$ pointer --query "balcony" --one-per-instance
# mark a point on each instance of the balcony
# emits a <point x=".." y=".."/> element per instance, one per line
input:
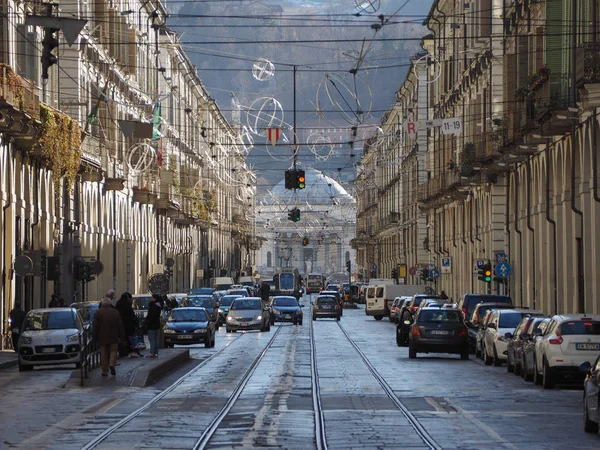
<point x="587" y="74"/>
<point x="443" y="189"/>
<point x="144" y="195"/>
<point x="90" y="151"/>
<point x="552" y="97"/>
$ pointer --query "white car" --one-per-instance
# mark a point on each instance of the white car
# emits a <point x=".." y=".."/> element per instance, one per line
<point x="568" y="341"/>
<point x="495" y="343"/>
<point x="49" y="337"/>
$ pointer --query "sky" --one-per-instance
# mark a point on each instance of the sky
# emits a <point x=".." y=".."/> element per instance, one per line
<point x="322" y="41"/>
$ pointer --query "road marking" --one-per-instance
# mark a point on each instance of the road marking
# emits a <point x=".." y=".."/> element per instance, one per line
<point x="488" y="430"/>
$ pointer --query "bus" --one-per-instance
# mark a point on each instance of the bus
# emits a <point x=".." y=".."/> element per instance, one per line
<point x="315" y="282"/>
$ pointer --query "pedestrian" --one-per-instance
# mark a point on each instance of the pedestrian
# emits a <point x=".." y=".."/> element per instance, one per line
<point x="112" y="297"/>
<point x="130" y="324"/>
<point x="107" y="330"/>
<point x="17" y="317"/>
<point x="443" y="296"/>
<point x="153" y="324"/>
<point x="53" y="301"/>
<point x="265" y="289"/>
<point x="61" y="303"/>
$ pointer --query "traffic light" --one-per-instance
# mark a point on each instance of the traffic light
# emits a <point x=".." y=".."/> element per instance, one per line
<point x="49" y="43"/>
<point x="290" y="179"/>
<point x="485" y="273"/>
<point x="425" y="274"/>
<point x="300" y="179"/>
<point x="294" y="215"/>
<point x="83" y="270"/>
<point x="348" y="266"/>
<point x="305" y="242"/>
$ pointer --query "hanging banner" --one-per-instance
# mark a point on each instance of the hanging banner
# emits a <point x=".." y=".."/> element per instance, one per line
<point x="273" y="135"/>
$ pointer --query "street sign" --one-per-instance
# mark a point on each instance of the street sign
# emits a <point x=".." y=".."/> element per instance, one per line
<point x="452" y="125"/>
<point x="434" y="274"/>
<point x="447" y="265"/>
<point x="477" y="263"/>
<point x="431" y="266"/>
<point x="412" y="270"/>
<point x="500" y="257"/>
<point x="503" y="269"/>
<point x="402" y="271"/>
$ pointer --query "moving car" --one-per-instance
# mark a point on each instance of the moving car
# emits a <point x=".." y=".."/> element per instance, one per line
<point x="285" y="308"/>
<point x="326" y="306"/>
<point x="439" y="330"/>
<point x="338" y="297"/>
<point x="591" y="395"/>
<point x="50" y="336"/>
<point x="568" y="341"/>
<point x="248" y="313"/>
<point x="201" y="291"/>
<point x="189" y="326"/>
<point x="207" y="302"/>
<point x="224" y="305"/>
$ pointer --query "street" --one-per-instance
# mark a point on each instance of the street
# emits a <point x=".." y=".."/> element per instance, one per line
<point x="258" y="390"/>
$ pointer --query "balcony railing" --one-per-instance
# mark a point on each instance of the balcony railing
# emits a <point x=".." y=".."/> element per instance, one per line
<point x="552" y="95"/>
<point x="588" y="64"/>
<point x="19" y="93"/>
<point x="437" y="186"/>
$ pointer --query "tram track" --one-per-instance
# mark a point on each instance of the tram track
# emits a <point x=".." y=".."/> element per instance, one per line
<point x="412" y="420"/>
<point x="320" y="437"/>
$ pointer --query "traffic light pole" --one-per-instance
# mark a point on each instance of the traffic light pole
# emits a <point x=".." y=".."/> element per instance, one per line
<point x="295" y="137"/>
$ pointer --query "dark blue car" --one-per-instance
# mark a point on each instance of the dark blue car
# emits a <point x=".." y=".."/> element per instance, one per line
<point x="286" y="308"/>
<point x="189" y="326"/>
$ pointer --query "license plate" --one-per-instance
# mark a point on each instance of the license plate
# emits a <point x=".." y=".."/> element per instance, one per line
<point x="587" y="346"/>
<point x="287" y="316"/>
<point x="48" y="350"/>
<point x="185" y="336"/>
<point x="439" y="332"/>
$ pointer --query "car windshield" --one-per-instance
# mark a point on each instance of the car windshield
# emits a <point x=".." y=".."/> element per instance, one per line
<point x="228" y="299"/>
<point x="326" y="301"/>
<point x="285" y="301"/>
<point x="286" y="281"/>
<point x="439" y="316"/>
<point x="242" y="303"/>
<point x="239" y="292"/>
<point x="188" y="315"/>
<point x="50" y="320"/>
<point x="201" y="301"/>
<point x="510" y="320"/>
<point x="588" y="327"/>
<point x="141" y="302"/>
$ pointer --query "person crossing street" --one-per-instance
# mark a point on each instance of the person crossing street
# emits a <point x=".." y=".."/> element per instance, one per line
<point x="108" y="331"/>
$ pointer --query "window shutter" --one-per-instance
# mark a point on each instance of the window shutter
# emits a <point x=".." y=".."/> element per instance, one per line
<point x="539" y="48"/>
<point x="485" y="29"/>
<point x="132" y="63"/>
<point x="21" y="50"/>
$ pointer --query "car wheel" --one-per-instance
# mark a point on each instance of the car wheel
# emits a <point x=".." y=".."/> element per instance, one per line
<point x="588" y="425"/>
<point x="78" y="365"/>
<point x="496" y="360"/>
<point x="207" y="343"/>
<point x="518" y="368"/>
<point x="486" y="359"/>
<point x="548" y="378"/>
<point x="477" y="353"/>
<point x="338" y="317"/>
<point x="412" y="353"/>
<point x="227" y="330"/>
<point x="464" y="355"/>
<point x="378" y="317"/>
<point x="399" y="339"/>
<point x="269" y="327"/>
<point x="524" y="370"/>
<point x="510" y="368"/>
<point x="25" y="368"/>
<point x="537" y="378"/>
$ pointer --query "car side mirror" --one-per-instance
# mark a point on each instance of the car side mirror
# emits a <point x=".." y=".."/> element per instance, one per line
<point x="492" y="325"/>
<point x="508" y="336"/>
<point x="585" y="367"/>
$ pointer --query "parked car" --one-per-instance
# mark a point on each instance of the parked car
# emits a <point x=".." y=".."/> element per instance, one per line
<point x="203" y="301"/>
<point x="568" y="341"/>
<point x="393" y="307"/>
<point x="248" y="313"/>
<point x="591" y="395"/>
<point x="501" y="323"/>
<point x="285" y="308"/>
<point x="528" y="352"/>
<point x="439" y="330"/>
<point x="468" y="302"/>
<point x="475" y="321"/>
<point x="189" y="325"/>
<point x="86" y="310"/>
<point x="224" y="305"/>
<point x="481" y="333"/>
<point x="516" y="341"/>
<point x="402" y="306"/>
<point x="49" y="337"/>
<point x="416" y="300"/>
<point x="140" y="306"/>
<point x="326" y="306"/>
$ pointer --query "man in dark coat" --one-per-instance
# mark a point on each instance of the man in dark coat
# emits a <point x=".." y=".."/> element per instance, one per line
<point x="153" y="324"/>
<point x="17" y="316"/>
<point x="108" y="331"/>
<point x="265" y="289"/>
<point x="130" y="324"/>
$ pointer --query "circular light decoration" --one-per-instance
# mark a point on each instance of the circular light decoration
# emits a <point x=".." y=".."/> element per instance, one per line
<point x="367" y="6"/>
<point x="343" y="97"/>
<point x="263" y="69"/>
<point x="264" y="113"/>
<point x="428" y="60"/>
<point x="320" y="145"/>
<point x="140" y="157"/>
<point x="246" y="139"/>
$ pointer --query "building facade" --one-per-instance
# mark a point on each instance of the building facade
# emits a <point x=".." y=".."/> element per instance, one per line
<point x="518" y="181"/>
<point x="119" y="161"/>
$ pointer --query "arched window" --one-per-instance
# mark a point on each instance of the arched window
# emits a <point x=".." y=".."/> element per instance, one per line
<point x="269" y="259"/>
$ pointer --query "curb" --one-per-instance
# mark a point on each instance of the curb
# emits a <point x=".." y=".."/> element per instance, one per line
<point x="9" y="364"/>
<point x="146" y="377"/>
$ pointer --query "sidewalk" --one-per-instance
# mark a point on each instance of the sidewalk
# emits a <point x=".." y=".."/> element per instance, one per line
<point x="8" y="358"/>
<point x="136" y="372"/>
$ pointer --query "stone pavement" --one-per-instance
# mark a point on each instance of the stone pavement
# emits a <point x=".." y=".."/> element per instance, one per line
<point x="135" y="372"/>
<point x="8" y="358"/>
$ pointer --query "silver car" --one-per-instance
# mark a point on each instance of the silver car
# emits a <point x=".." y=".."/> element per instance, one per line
<point x="248" y="313"/>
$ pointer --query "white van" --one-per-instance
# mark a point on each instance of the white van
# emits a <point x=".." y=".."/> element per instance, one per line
<point x="221" y="283"/>
<point x="380" y="296"/>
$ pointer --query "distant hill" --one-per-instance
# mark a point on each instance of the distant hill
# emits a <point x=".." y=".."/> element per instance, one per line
<point x="227" y="68"/>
